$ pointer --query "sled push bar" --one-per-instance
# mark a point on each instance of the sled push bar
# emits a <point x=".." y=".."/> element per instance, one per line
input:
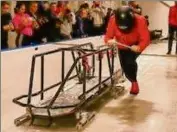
<point x="144" y="54"/>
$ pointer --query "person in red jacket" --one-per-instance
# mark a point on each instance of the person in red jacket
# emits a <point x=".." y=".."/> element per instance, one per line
<point x="172" y="26"/>
<point x="130" y="29"/>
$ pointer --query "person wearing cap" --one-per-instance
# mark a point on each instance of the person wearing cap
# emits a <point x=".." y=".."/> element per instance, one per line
<point x="130" y="29"/>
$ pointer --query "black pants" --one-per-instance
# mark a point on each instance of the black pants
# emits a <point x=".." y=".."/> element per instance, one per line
<point x="98" y="31"/>
<point x="27" y="40"/>
<point x="23" y="40"/>
<point x="129" y="64"/>
<point x="4" y="44"/>
<point x="172" y="30"/>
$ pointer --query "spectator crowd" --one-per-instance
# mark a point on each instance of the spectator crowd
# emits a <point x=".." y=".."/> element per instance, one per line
<point x="37" y="22"/>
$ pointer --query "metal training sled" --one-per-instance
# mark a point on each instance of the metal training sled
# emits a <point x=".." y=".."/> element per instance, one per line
<point x="74" y="91"/>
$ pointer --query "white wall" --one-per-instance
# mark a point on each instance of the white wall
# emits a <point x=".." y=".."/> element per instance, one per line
<point x="158" y="15"/>
<point x="170" y="3"/>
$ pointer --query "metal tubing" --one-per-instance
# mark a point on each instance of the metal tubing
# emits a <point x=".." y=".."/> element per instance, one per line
<point x="112" y="72"/>
<point x="93" y="52"/>
<point x="84" y="81"/>
<point x="77" y="69"/>
<point x="100" y="70"/>
<point x="42" y="77"/>
<point x="63" y="65"/>
<point x="61" y="49"/>
<point x="94" y="87"/>
<point x="16" y="100"/>
<point x="109" y="65"/>
<point x="31" y="79"/>
<point x="62" y="84"/>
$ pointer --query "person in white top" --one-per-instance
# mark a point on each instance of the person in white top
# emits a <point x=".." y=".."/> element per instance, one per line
<point x="98" y="14"/>
<point x="67" y="25"/>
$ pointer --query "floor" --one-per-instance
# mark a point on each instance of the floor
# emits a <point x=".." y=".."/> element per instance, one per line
<point x="153" y="110"/>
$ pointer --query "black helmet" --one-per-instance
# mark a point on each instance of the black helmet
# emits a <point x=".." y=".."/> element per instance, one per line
<point x="125" y="18"/>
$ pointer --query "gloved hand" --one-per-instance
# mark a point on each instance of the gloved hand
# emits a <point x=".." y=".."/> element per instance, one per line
<point x="135" y="48"/>
<point x="111" y="42"/>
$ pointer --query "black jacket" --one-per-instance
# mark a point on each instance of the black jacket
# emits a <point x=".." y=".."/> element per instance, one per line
<point x="5" y="20"/>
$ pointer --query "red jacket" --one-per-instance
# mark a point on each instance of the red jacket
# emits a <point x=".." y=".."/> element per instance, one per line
<point x="139" y="34"/>
<point x="173" y="15"/>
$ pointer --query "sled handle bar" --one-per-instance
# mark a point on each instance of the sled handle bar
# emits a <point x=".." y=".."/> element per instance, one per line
<point x="113" y="46"/>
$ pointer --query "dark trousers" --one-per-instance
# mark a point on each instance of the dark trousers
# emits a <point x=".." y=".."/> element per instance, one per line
<point x="27" y="40"/>
<point x="129" y="64"/>
<point x="4" y="44"/>
<point x="23" y="40"/>
<point x="98" y="31"/>
<point x="172" y="30"/>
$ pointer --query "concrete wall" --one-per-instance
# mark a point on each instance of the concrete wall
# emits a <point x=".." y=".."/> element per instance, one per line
<point x="170" y="3"/>
<point x="158" y="15"/>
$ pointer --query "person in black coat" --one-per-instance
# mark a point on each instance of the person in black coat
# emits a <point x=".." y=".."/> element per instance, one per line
<point x="49" y="29"/>
<point x="108" y="16"/>
<point x="6" y="24"/>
